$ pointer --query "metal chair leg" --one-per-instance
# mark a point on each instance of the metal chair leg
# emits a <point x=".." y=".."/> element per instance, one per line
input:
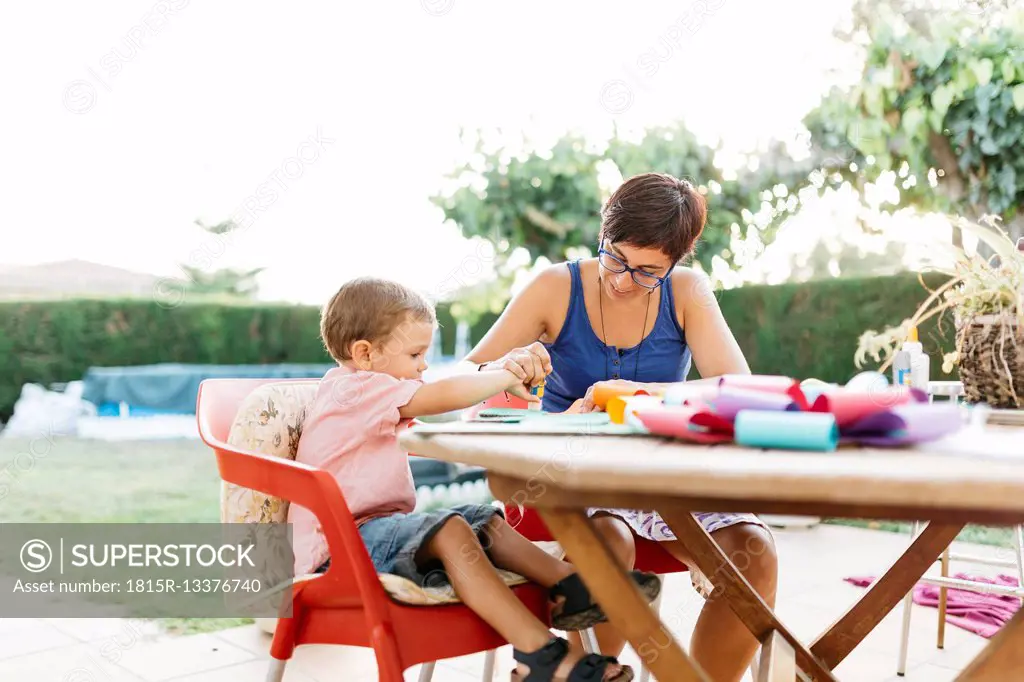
<point x="589" y="641"/>
<point x="908" y="603"/>
<point x="755" y="665"/>
<point x="901" y="665"/>
<point x="645" y="672"/>
<point x="489" y="665"/>
<point x="275" y="672"/>
<point x="427" y="671"/>
<point x="1020" y="556"/>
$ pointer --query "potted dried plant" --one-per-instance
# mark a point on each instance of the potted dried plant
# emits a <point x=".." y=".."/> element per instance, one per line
<point x="986" y="297"/>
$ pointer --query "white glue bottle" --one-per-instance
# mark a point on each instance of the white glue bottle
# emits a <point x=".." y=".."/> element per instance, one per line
<point x="910" y="366"/>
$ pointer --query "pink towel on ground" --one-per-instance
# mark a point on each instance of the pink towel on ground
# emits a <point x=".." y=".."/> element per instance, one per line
<point x="982" y="614"/>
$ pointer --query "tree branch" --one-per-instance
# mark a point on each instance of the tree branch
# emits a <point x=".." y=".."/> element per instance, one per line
<point x="544" y="221"/>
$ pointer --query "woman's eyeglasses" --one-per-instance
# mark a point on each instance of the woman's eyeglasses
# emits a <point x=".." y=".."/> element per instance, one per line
<point x="612" y="264"/>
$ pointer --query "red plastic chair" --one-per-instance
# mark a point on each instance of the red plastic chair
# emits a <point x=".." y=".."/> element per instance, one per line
<point x="650" y="557"/>
<point x="499" y="400"/>
<point x="347" y="604"/>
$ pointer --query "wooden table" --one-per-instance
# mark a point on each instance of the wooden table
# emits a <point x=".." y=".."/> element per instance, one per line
<point x="562" y="475"/>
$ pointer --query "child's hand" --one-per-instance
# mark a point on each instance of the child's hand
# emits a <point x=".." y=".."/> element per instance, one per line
<point x="519" y="389"/>
<point x="531" y="363"/>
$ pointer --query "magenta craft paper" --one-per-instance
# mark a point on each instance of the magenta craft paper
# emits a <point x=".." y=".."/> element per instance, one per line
<point x="686" y="423"/>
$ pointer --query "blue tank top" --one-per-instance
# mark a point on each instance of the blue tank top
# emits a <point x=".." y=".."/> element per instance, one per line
<point x="579" y="358"/>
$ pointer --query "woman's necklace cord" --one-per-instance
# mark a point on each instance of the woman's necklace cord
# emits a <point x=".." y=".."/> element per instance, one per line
<point x="604" y="337"/>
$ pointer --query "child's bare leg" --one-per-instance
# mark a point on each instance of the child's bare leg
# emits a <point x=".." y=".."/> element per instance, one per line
<point x="481" y="589"/>
<point x="721" y="644"/>
<point x="512" y="551"/>
<point x="619" y="538"/>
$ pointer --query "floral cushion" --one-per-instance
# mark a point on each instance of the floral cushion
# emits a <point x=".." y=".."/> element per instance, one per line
<point x="269" y="421"/>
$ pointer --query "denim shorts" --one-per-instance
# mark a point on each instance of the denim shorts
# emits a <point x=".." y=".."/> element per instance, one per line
<point x="394" y="540"/>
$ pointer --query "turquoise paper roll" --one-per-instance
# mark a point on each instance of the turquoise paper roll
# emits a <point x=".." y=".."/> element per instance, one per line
<point x="787" y="430"/>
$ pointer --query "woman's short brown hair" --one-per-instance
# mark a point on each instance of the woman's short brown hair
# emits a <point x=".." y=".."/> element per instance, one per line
<point x="655" y="210"/>
<point x="369" y="308"/>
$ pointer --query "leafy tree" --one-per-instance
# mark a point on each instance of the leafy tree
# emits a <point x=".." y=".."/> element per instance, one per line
<point x="939" y="108"/>
<point x="548" y="200"/>
<point x="939" y="112"/>
<point x="222" y="281"/>
<point x="545" y="201"/>
<point x="745" y="210"/>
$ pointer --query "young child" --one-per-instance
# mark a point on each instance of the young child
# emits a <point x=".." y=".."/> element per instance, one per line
<point x="379" y="332"/>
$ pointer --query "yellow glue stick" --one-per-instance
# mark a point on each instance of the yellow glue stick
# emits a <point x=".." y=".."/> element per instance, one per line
<point x="538" y="391"/>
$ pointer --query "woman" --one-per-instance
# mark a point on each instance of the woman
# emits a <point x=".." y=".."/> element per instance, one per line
<point x="631" y="315"/>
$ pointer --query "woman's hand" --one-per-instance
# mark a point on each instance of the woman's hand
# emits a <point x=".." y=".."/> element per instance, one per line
<point x="586" y="403"/>
<point x="518" y="388"/>
<point x="575" y="408"/>
<point x="530" y="364"/>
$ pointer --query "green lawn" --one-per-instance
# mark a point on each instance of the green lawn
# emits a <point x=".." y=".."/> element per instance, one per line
<point x="982" y="535"/>
<point x="80" y="481"/>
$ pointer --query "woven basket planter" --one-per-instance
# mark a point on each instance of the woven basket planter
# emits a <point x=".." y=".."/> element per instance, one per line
<point x="992" y="361"/>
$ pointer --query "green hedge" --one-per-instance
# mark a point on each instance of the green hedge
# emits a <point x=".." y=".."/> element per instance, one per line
<point x="811" y="329"/>
<point x="56" y="341"/>
<point x="800" y="330"/>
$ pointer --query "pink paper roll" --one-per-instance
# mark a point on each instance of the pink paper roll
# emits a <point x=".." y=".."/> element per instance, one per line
<point x="851" y="406"/>
<point x="769" y="383"/>
<point x="690" y="393"/>
<point x="686" y="423"/>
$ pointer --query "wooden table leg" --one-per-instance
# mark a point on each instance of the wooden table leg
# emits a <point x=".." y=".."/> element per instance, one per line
<point x="745" y="602"/>
<point x="1003" y="657"/>
<point x="778" y="660"/>
<point x="845" y="634"/>
<point x="625" y="606"/>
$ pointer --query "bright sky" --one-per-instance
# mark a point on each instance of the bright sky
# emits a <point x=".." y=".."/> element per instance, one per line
<point x="111" y="150"/>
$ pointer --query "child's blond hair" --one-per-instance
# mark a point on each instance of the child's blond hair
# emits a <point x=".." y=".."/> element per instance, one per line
<point x="369" y="308"/>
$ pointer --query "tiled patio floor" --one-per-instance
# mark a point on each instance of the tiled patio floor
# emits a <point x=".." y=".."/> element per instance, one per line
<point x="811" y="595"/>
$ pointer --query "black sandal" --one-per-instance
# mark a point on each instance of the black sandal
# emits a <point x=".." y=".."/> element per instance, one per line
<point x="579" y="612"/>
<point x="545" y="661"/>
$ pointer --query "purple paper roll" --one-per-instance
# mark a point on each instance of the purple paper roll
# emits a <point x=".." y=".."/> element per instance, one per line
<point x="731" y="400"/>
<point x="903" y="424"/>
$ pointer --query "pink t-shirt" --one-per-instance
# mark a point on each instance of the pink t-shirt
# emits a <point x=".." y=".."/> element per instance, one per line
<point x="351" y="431"/>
